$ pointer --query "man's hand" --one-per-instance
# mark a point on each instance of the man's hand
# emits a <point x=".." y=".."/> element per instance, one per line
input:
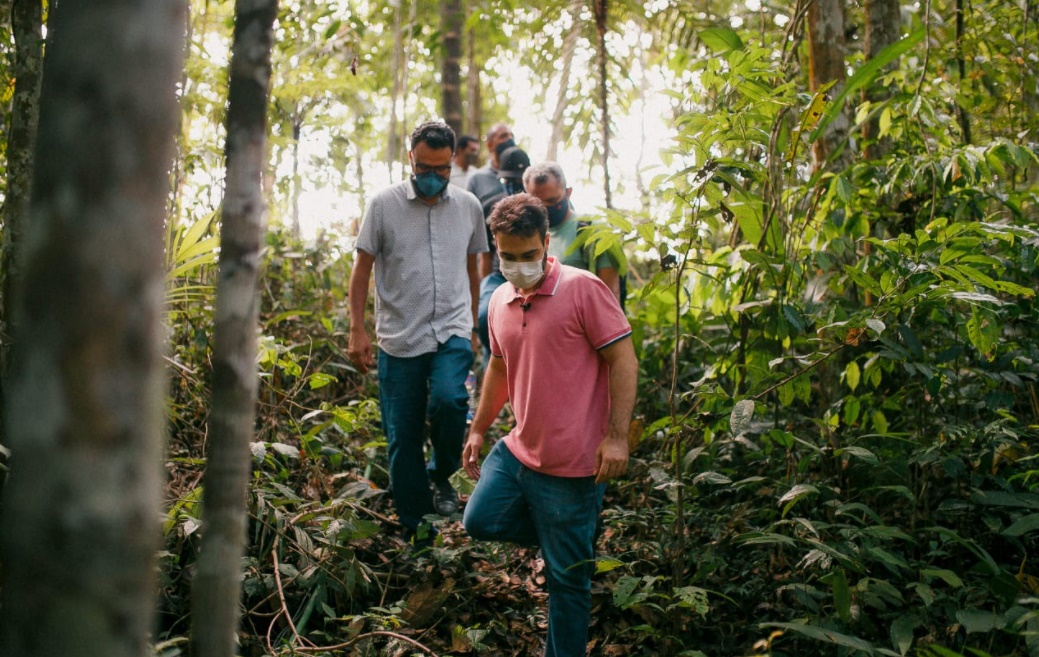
<point x="359" y="351"/>
<point x="477" y="345"/>
<point x="611" y="459"/>
<point x="471" y="455"/>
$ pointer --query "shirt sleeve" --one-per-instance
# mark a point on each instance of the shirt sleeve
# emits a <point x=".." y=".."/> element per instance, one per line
<point x="478" y="240"/>
<point x="369" y="237"/>
<point x="601" y="315"/>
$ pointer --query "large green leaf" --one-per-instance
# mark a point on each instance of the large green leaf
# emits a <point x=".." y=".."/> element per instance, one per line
<point x="866" y="75"/>
<point x="720" y="39"/>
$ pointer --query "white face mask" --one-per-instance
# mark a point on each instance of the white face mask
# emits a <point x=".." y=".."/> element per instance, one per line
<point x="522" y="274"/>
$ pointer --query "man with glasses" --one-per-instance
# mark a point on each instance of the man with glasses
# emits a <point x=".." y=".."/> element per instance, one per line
<point x="421" y="237"/>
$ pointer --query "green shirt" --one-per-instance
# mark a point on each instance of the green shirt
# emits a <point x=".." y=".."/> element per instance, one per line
<point x="564" y="235"/>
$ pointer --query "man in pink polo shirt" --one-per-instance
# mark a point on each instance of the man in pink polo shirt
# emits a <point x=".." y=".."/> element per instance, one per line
<point x="562" y="354"/>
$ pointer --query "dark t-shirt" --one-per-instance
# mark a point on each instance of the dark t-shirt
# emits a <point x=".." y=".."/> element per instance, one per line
<point x="488" y="189"/>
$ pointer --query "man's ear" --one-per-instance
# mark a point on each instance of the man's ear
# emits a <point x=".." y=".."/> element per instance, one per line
<point x="569" y="190"/>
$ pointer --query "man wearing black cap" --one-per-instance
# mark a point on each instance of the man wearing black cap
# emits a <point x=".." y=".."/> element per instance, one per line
<point x="511" y="163"/>
<point x="484" y="181"/>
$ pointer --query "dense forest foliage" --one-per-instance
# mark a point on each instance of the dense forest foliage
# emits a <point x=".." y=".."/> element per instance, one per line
<point x="831" y="281"/>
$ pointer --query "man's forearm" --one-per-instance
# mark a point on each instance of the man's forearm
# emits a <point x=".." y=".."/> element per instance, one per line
<point x="493" y="395"/>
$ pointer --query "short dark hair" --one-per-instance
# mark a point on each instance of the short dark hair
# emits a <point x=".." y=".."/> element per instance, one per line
<point x="436" y="134"/>
<point x="521" y="215"/>
<point x="465" y="140"/>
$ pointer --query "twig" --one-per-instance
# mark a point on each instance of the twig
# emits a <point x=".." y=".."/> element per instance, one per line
<point x="281" y="594"/>
<point x="809" y="367"/>
<point x="347" y="644"/>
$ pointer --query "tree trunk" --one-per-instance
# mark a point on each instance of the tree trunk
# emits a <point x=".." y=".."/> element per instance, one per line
<point x="217" y="584"/>
<point x="450" y="83"/>
<point x="604" y="106"/>
<point x="82" y="502"/>
<point x="393" y="145"/>
<point x="474" y="117"/>
<point x="297" y="180"/>
<point x="26" y="68"/>
<point x="961" y="112"/>
<point x="883" y="28"/>
<point x="826" y="64"/>
<point x="569" y="45"/>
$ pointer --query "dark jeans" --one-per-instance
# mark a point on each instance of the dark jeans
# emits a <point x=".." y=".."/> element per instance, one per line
<point x="410" y="389"/>
<point x="516" y="504"/>
<point x="488" y="285"/>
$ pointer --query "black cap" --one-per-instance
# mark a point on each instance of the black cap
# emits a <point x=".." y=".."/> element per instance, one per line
<point x="512" y="163"/>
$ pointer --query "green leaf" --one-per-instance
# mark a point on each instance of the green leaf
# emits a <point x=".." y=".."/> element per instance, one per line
<point x="866" y="74"/>
<point x="880" y="422"/>
<point x="983" y="330"/>
<point x="721" y="40"/>
<point x="852" y="375"/>
<point x="791" y="497"/>
<point x="902" y="632"/>
<point x="841" y="594"/>
<point x="606" y="565"/>
<point x="876" y="325"/>
<point x="977" y="620"/>
<point x="739" y="418"/>
<point x="863" y="280"/>
<point x="1022" y="526"/>
<point x="825" y="635"/>
<point x="858" y="452"/>
<point x="320" y="380"/>
<point x="947" y="576"/>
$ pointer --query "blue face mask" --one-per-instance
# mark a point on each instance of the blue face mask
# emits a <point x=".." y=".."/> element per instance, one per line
<point x="428" y="184"/>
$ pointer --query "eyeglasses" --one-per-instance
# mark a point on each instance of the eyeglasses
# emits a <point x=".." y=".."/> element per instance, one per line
<point x="443" y="170"/>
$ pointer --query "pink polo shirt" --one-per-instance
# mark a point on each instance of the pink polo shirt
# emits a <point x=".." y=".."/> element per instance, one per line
<point x="558" y="382"/>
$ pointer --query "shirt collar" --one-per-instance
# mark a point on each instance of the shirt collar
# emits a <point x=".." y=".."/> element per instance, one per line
<point x="549" y="285"/>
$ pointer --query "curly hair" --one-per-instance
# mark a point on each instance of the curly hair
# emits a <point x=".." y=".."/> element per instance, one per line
<point x="436" y="134"/>
<point x="521" y="215"/>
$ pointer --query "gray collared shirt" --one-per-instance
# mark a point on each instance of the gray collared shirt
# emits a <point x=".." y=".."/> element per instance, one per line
<point x="422" y="294"/>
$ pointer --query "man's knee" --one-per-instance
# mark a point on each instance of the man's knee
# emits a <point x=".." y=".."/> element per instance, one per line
<point x="477" y="526"/>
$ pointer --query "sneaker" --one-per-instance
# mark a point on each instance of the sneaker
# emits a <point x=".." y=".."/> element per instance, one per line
<point x="445" y="499"/>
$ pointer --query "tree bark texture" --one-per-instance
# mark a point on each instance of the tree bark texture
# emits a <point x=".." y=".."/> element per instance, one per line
<point x="82" y="502"/>
<point x="826" y="64"/>
<point x="604" y="98"/>
<point x="450" y="83"/>
<point x="474" y="117"/>
<point x="883" y="28"/>
<point x="961" y="67"/>
<point x="216" y="587"/>
<point x="27" y="70"/>
<point x="569" y="45"/>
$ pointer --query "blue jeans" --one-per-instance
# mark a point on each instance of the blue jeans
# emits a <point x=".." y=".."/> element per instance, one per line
<point x="516" y="504"/>
<point x="432" y="384"/>
<point x="488" y="285"/>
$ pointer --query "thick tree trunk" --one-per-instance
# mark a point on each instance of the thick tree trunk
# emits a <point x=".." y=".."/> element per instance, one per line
<point x="604" y="105"/>
<point x="883" y="28"/>
<point x="450" y="83"/>
<point x="82" y="503"/>
<point x="217" y="584"/>
<point x="826" y="64"/>
<point x="26" y="68"/>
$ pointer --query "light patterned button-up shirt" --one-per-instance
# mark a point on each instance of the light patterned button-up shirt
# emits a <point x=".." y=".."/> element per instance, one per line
<point x="422" y="294"/>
